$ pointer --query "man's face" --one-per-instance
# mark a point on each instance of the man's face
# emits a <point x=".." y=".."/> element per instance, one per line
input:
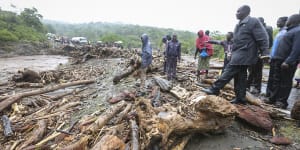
<point x="174" y="37"/>
<point x="241" y="13"/>
<point x="280" y="23"/>
<point x="228" y="36"/>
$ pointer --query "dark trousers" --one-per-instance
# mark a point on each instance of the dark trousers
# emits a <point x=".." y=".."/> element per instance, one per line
<point x="239" y="73"/>
<point x="282" y="82"/>
<point x="255" y="75"/>
<point x="270" y="85"/>
<point x="171" y="65"/>
<point x="226" y="61"/>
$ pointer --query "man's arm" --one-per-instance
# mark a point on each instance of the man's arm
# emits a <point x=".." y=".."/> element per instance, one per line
<point x="196" y="52"/>
<point x="295" y="53"/>
<point x="215" y="42"/>
<point x="261" y="37"/>
<point x="179" y="52"/>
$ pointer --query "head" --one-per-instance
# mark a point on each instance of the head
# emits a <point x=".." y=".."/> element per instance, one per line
<point x="174" y="37"/>
<point x="169" y="37"/>
<point x="207" y="32"/>
<point x="281" y="22"/>
<point x="164" y="39"/>
<point x="200" y="33"/>
<point x="262" y="21"/>
<point x="229" y="36"/>
<point x="293" y="20"/>
<point x="243" y="12"/>
<point x="144" y="38"/>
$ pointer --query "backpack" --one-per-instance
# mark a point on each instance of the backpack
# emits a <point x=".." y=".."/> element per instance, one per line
<point x="203" y="53"/>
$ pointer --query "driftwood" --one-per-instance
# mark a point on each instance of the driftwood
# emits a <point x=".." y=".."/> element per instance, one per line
<point x="50" y="137"/>
<point x="164" y="85"/>
<point x="79" y="145"/>
<point x="134" y="135"/>
<point x="125" y="74"/>
<point x="15" y="98"/>
<point x="109" y="142"/>
<point x="255" y="116"/>
<point x="36" y="135"/>
<point x="27" y="75"/>
<point x="122" y="114"/>
<point x="211" y="113"/>
<point x="124" y="95"/>
<point x="6" y="126"/>
<point x="155" y="96"/>
<point x="295" y="112"/>
<point x="103" y="119"/>
<point x="29" y="85"/>
<point x="180" y="92"/>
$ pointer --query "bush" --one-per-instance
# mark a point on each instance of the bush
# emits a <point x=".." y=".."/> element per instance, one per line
<point x="7" y="36"/>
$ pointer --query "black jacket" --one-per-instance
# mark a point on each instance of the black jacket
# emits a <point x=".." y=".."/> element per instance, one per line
<point x="249" y="37"/>
<point x="289" y="46"/>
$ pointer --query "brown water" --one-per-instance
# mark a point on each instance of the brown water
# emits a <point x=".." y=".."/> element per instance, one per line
<point x="9" y="66"/>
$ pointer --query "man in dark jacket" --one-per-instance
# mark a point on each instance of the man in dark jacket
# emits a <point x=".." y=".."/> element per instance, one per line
<point x="249" y="37"/>
<point x="281" y="21"/>
<point x="287" y="57"/>
<point x="256" y="71"/>
<point x="172" y="54"/>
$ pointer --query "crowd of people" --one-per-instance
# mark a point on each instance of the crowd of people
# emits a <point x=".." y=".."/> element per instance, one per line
<point x="246" y="50"/>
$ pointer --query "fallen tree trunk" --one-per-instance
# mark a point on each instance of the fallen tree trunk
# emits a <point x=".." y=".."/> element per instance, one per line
<point x="103" y="119"/>
<point x="15" y="98"/>
<point x="208" y="114"/>
<point x="134" y="135"/>
<point x="36" y="135"/>
<point x="119" y="77"/>
<point x="109" y="142"/>
<point x="6" y="126"/>
<point x="79" y="145"/>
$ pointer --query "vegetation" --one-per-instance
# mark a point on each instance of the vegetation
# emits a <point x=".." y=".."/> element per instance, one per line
<point x="129" y="34"/>
<point x="26" y="26"/>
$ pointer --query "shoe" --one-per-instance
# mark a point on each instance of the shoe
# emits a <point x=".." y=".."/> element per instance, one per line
<point x="281" y="105"/>
<point x="237" y="101"/>
<point x="268" y="101"/>
<point x="210" y="91"/>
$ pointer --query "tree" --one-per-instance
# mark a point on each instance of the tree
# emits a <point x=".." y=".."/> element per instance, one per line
<point x="32" y="19"/>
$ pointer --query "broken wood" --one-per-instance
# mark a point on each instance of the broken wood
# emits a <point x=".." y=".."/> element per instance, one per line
<point x="104" y="118"/>
<point x="124" y="95"/>
<point x="128" y="72"/>
<point x="295" y="112"/>
<point x="255" y="116"/>
<point x="123" y="114"/>
<point x="211" y="113"/>
<point x="79" y="145"/>
<point x="29" y="85"/>
<point x="109" y="142"/>
<point x="165" y="85"/>
<point x="135" y="145"/>
<point x="15" y="98"/>
<point x="36" y="134"/>
<point x="7" y="130"/>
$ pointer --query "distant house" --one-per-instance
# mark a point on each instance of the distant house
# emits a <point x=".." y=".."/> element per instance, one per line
<point x="79" y="40"/>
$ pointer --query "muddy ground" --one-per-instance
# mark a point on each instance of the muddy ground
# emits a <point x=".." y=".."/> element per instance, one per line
<point x="239" y="136"/>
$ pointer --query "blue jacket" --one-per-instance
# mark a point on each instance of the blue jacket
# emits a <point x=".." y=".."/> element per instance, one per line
<point x="289" y="46"/>
<point x="278" y="37"/>
<point x="146" y="51"/>
<point x="174" y="49"/>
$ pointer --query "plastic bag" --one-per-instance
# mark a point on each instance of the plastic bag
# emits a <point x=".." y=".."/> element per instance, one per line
<point x="203" y="53"/>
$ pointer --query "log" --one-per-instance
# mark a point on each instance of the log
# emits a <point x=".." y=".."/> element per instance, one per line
<point x="180" y="92"/>
<point x="134" y="135"/>
<point x="255" y="116"/>
<point x="122" y="114"/>
<point x="29" y="85"/>
<point x="128" y="72"/>
<point x="15" y="98"/>
<point x="164" y="85"/>
<point x="36" y="135"/>
<point x="124" y="95"/>
<point x="109" y="142"/>
<point x="103" y="119"/>
<point x="211" y="113"/>
<point x="6" y="126"/>
<point x="79" y="145"/>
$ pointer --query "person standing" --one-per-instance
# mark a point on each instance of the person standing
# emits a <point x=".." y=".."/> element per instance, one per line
<point x="287" y="57"/>
<point x="249" y="36"/>
<point x="205" y="51"/>
<point x="165" y="41"/>
<point x="256" y="71"/>
<point x="272" y="76"/>
<point x="146" y="57"/>
<point x="227" y="46"/>
<point x="173" y="54"/>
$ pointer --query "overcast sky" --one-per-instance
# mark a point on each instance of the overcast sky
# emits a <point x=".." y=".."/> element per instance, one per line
<point x="190" y="15"/>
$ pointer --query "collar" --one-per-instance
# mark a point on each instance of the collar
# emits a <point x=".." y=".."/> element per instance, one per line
<point x="245" y="20"/>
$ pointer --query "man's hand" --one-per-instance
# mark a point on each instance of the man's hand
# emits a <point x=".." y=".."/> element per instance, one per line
<point x="284" y="65"/>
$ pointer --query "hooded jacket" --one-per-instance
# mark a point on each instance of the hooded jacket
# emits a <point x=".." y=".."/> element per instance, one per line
<point x="146" y="51"/>
<point x="249" y="37"/>
<point x="201" y="43"/>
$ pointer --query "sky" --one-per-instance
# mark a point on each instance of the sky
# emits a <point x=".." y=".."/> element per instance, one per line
<point x="189" y="15"/>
